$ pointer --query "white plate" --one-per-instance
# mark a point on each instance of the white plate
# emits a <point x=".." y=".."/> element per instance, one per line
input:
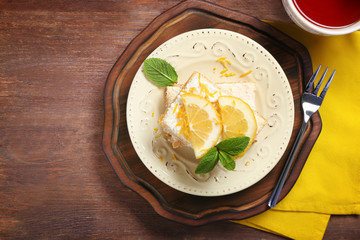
<point x="198" y="50"/>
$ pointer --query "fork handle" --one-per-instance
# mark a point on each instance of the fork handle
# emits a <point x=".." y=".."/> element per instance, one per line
<point x="281" y="181"/>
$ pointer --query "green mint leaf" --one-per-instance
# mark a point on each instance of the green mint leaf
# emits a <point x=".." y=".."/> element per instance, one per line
<point x="226" y="160"/>
<point x="234" y="146"/>
<point x="208" y="162"/>
<point x="160" y="72"/>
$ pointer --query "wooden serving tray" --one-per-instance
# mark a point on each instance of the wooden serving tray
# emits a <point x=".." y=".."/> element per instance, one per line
<point x="166" y="201"/>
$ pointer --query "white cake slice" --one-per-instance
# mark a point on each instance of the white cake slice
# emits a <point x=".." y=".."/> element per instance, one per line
<point x="200" y="85"/>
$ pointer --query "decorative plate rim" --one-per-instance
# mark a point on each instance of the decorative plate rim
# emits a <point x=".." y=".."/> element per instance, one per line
<point x="130" y="109"/>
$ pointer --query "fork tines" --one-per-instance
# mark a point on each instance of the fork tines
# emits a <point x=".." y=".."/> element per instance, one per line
<point x="312" y="79"/>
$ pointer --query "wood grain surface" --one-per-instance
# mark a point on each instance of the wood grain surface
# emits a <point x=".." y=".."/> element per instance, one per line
<point x="168" y="202"/>
<point x="55" y="181"/>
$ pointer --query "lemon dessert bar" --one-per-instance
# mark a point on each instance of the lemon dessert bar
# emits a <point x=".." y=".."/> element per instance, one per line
<point x="201" y="113"/>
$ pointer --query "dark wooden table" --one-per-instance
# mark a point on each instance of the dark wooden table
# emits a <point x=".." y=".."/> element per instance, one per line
<point x="55" y="181"/>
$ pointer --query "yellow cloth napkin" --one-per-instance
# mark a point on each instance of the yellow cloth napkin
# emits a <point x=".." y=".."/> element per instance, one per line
<point x="330" y="181"/>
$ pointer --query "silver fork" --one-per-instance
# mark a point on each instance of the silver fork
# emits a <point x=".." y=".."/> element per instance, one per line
<point x="310" y="104"/>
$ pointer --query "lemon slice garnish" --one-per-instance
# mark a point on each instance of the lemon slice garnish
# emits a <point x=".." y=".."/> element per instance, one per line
<point x="238" y="118"/>
<point x="203" y="123"/>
